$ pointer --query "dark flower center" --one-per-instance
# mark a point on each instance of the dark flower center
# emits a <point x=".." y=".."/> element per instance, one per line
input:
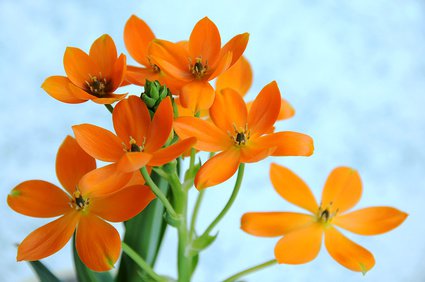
<point x="98" y="87"/>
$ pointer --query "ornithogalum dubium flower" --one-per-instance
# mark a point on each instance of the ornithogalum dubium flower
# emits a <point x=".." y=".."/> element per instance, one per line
<point x="94" y="76"/>
<point x="241" y="136"/>
<point x="303" y="233"/>
<point x="80" y="210"/>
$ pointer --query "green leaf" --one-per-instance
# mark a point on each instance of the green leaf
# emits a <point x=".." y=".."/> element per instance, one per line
<point x="84" y="274"/>
<point x="43" y="272"/>
<point x="144" y="234"/>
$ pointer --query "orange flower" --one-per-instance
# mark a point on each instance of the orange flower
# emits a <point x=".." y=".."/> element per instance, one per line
<point x="239" y="78"/>
<point x="303" y="233"/>
<point x="98" y="243"/>
<point x="197" y="62"/>
<point x="89" y="77"/>
<point x="241" y="137"/>
<point x="138" y="142"/>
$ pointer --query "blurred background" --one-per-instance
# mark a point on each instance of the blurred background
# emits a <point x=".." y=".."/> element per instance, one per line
<point x="353" y="70"/>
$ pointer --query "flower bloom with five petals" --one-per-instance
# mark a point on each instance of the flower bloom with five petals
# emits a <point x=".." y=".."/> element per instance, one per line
<point x="85" y="210"/>
<point x="94" y="76"/>
<point x="303" y="233"/>
<point x="138" y="142"/>
<point x="241" y="136"/>
<point x="197" y="62"/>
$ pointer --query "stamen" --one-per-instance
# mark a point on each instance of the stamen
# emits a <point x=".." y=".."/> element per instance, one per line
<point x="78" y="202"/>
<point x="242" y="135"/>
<point x="198" y="69"/>
<point x="98" y="86"/>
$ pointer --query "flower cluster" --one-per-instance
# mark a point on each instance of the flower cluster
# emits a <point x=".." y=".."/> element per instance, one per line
<point x="179" y="113"/>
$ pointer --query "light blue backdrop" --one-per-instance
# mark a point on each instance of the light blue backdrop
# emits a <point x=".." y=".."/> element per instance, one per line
<point x="353" y="70"/>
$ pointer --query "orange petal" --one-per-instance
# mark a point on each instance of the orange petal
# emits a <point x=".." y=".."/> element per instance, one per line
<point x="98" y="142"/>
<point x="288" y="143"/>
<point x="79" y="93"/>
<point x="49" y="238"/>
<point x="98" y="243"/>
<point x="348" y="253"/>
<point x="137" y="37"/>
<point x="171" y="58"/>
<point x="292" y="188"/>
<point x="39" y="199"/>
<point x="236" y="46"/>
<point x="251" y="153"/>
<point x="79" y="66"/>
<point x="342" y="190"/>
<point x="133" y="161"/>
<point x="228" y="111"/>
<point x="371" y="221"/>
<point x="166" y="155"/>
<point x="300" y="246"/>
<point x="272" y="224"/>
<point x="104" y="54"/>
<point x="217" y="169"/>
<point x="118" y="72"/>
<point x="124" y="204"/>
<point x="138" y="76"/>
<point x="161" y="126"/>
<point x="197" y="96"/>
<point x="223" y="63"/>
<point x="265" y="109"/>
<point x="184" y="112"/>
<point x="208" y="137"/>
<point x="72" y="163"/>
<point x="131" y="120"/>
<point x="57" y="87"/>
<point x="103" y="181"/>
<point x="238" y="77"/>
<point x="205" y="41"/>
<point x="286" y="110"/>
<point x="109" y="98"/>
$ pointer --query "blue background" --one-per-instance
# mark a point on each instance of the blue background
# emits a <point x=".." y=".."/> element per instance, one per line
<point x="353" y="70"/>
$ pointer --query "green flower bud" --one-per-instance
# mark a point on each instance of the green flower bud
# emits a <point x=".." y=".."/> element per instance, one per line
<point x="153" y="95"/>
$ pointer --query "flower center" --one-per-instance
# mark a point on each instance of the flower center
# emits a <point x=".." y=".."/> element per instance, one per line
<point x="199" y="69"/>
<point x="98" y="86"/>
<point x="325" y="215"/>
<point x="133" y="146"/>
<point x="78" y="202"/>
<point x="241" y="135"/>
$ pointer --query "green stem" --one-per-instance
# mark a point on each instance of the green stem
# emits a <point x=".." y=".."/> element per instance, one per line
<point x="195" y="213"/>
<point x="229" y="202"/>
<point x="140" y="262"/>
<point x="109" y="107"/>
<point x="155" y="189"/>
<point x="250" y="270"/>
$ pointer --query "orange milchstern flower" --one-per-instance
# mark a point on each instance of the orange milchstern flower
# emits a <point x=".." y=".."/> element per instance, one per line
<point x="241" y="136"/>
<point x="138" y="142"/>
<point x="303" y="233"/>
<point x="82" y="210"/>
<point x="239" y="78"/>
<point x="94" y="76"/>
<point x="198" y="61"/>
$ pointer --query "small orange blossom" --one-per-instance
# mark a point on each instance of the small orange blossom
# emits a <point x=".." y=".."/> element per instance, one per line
<point x="241" y="136"/>
<point x="138" y="142"/>
<point x="303" y="233"/>
<point x="198" y="61"/>
<point x="97" y="242"/>
<point x="94" y="76"/>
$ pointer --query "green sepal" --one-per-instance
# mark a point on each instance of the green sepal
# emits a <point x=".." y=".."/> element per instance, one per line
<point x="85" y="274"/>
<point x="201" y="243"/>
<point x="43" y="273"/>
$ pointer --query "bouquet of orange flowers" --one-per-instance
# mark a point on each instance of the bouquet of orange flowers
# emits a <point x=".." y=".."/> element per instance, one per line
<point x="154" y="158"/>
